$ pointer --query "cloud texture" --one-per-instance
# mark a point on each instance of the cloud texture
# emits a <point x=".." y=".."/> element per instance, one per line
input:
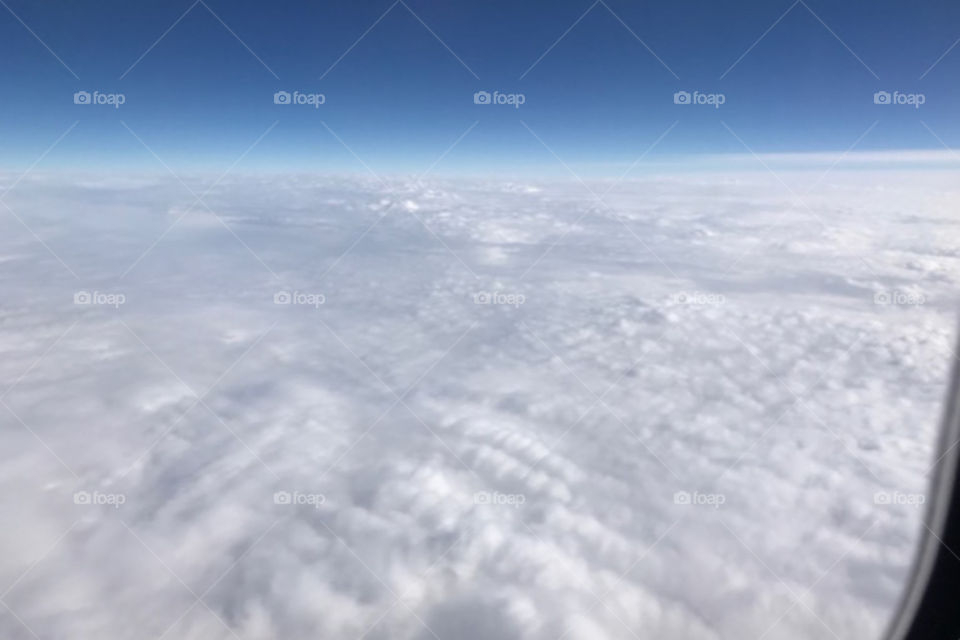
<point x="703" y="407"/>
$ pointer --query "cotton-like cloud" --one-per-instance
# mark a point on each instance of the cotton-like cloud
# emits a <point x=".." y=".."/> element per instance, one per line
<point x="469" y="409"/>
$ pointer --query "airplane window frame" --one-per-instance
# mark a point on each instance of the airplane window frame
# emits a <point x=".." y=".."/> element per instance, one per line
<point x="928" y="608"/>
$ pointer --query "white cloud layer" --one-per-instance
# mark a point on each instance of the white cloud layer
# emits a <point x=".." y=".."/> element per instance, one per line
<point x="489" y="410"/>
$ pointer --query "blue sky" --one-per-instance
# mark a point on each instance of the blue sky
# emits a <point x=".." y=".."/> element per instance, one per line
<point x="400" y="98"/>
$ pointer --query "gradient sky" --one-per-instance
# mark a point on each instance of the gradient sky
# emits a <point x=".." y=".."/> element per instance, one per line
<point x="399" y="98"/>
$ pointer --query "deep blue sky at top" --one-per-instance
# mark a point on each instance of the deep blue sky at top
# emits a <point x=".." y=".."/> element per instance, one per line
<point x="399" y="98"/>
